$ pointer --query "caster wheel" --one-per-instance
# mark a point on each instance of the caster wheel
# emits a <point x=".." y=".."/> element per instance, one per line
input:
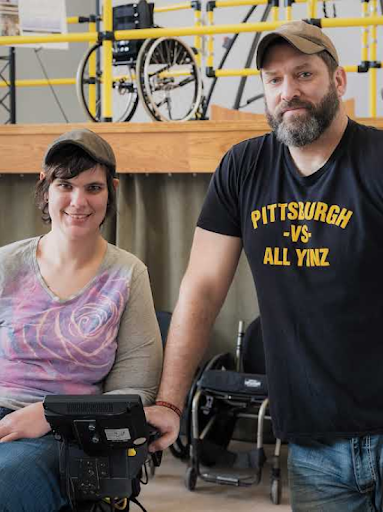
<point x="190" y="479"/>
<point x="276" y="491"/>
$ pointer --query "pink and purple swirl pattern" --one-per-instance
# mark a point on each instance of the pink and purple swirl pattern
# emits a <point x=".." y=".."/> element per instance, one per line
<point x="58" y="347"/>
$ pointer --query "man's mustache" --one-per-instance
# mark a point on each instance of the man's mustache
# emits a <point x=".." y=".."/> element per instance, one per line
<point x="288" y="105"/>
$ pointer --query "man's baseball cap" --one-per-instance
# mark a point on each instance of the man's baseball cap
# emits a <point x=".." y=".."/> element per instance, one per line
<point x="303" y="36"/>
<point x="96" y="147"/>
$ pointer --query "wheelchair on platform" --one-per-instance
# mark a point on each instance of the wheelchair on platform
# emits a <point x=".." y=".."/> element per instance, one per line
<point x="160" y="73"/>
<point x="230" y="392"/>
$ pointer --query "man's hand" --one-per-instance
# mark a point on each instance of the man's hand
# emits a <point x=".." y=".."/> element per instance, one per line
<point x="26" y="422"/>
<point x="167" y="422"/>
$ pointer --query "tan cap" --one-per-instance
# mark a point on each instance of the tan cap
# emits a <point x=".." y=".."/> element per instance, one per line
<point x="303" y="36"/>
<point x="90" y="142"/>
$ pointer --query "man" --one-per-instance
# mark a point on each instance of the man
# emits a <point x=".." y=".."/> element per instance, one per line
<point x="306" y="204"/>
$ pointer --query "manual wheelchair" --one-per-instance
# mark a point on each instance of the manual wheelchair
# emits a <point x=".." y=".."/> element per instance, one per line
<point x="162" y="74"/>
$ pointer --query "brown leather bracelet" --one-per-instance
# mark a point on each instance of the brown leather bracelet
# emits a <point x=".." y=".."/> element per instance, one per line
<point x="168" y="405"/>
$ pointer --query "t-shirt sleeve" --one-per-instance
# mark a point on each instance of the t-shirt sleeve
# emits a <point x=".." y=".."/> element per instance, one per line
<point x="220" y="212"/>
<point x="138" y="364"/>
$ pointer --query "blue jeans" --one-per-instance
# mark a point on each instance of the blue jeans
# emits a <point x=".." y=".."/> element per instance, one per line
<point x="29" y="475"/>
<point x="337" y="475"/>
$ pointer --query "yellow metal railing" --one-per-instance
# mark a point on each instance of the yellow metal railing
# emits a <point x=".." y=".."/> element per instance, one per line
<point x="174" y="7"/>
<point x="372" y="59"/>
<point x="369" y="21"/>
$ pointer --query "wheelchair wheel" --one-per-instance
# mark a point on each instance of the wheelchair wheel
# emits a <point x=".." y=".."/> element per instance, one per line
<point x="124" y="93"/>
<point x="179" y="449"/>
<point x="190" y="479"/>
<point x="168" y="79"/>
<point x="276" y="491"/>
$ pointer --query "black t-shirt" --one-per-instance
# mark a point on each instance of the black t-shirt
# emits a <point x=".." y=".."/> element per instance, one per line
<point x="315" y="249"/>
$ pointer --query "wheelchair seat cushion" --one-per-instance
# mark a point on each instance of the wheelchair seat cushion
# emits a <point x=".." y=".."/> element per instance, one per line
<point x="234" y="382"/>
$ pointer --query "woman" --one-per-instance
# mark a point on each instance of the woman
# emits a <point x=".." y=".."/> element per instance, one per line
<point x="76" y="317"/>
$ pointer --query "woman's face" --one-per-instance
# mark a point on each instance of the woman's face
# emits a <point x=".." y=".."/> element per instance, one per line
<point x="77" y="206"/>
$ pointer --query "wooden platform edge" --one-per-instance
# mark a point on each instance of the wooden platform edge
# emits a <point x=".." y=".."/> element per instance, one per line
<point x="190" y="147"/>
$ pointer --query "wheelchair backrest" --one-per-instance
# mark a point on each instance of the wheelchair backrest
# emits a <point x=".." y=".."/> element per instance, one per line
<point x="253" y="354"/>
<point x="131" y="16"/>
<point x="164" y="319"/>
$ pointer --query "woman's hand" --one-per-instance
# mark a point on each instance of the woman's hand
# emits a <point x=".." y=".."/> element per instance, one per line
<point x="167" y="422"/>
<point x="26" y="422"/>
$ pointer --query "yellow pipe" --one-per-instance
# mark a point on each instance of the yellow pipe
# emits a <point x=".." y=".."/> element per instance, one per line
<point x="149" y="33"/>
<point x="365" y="33"/>
<point x="265" y="26"/>
<point x="351" y="22"/>
<point x="175" y="7"/>
<point x="92" y="99"/>
<point x="107" y="47"/>
<point x="72" y="20"/>
<point x="236" y="72"/>
<point x="373" y="71"/>
<point x="372" y="93"/>
<point x="39" y="82"/>
<point x="80" y="37"/>
<point x="251" y="72"/>
<point x="288" y="13"/>
<point x="174" y="74"/>
<point x="198" y="39"/>
<point x="210" y="41"/>
<point x="373" y="46"/>
<point x="236" y="3"/>
<point x="182" y="31"/>
<point x="351" y="69"/>
<point x="311" y="8"/>
<point x="72" y="81"/>
<point x="275" y="13"/>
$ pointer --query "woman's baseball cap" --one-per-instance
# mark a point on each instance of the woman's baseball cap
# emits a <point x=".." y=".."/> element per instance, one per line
<point x="303" y="36"/>
<point x="96" y="147"/>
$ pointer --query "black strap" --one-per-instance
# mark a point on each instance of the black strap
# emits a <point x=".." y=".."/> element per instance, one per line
<point x="136" y="502"/>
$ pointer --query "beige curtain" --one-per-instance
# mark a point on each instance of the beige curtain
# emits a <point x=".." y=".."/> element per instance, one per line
<point x="155" y="220"/>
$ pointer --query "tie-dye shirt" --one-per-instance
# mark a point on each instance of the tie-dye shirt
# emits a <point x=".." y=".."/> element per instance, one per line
<point x="105" y="338"/>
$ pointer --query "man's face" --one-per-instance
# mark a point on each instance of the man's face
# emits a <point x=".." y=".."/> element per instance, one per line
<point x="301" y="99"/>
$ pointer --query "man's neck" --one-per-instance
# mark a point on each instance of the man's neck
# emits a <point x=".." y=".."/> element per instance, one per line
<point x="311" y="158"/>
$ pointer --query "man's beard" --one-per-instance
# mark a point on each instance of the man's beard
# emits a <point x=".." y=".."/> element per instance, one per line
<point x="306" y="128"/>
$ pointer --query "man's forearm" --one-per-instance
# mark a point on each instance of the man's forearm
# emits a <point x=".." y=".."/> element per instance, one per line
<point x="186" y="344"/>
<point x="213" y="261"/>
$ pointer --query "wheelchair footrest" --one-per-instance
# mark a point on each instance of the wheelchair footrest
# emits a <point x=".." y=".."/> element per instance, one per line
<point x="243" y="480"/>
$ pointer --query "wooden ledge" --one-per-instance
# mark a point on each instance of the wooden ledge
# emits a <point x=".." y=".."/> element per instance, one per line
<point x="189" y="147"/>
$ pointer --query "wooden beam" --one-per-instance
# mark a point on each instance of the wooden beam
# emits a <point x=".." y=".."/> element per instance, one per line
<point x="191" y="147"/>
